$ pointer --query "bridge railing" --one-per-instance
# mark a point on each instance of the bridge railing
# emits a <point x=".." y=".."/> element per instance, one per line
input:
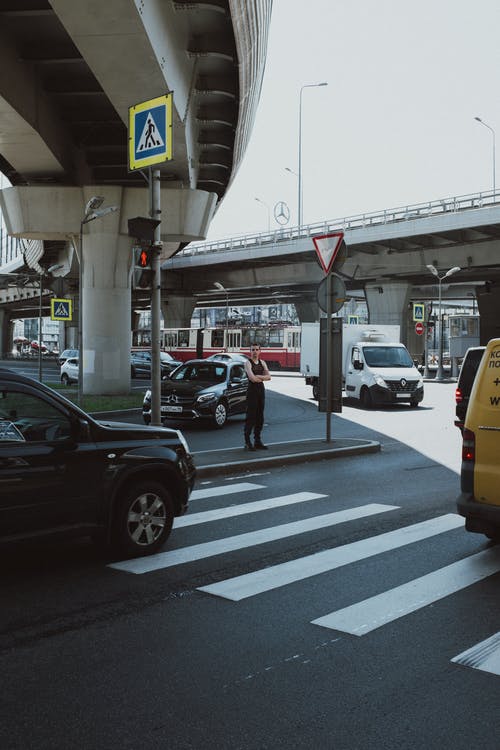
<point x="388" y="216"/>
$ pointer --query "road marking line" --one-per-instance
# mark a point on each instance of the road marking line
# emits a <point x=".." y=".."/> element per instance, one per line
<point x="484" y="656"/>
<point x="250" y="584"/>
<point x="241" y="541"/>
<point x="372" y="613"/>
<point x="226" y="490"/>
<point x="239" y="510"/>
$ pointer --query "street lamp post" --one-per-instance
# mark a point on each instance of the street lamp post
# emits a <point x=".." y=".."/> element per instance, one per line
<point x="55" y="267"/>
<point x="40" y="277"/>
<point x="268" y="213"/>
<point x="306" y="86"/>
<point x="222" y="288"/>
<point x="482" y="122"/>
<point x="435" y="272"/>
<point x="92" y="212"/>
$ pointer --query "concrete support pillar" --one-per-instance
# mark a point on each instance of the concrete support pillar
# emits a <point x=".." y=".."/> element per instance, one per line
<point x="488" y="302"/>
<point x="387" y="303"/>
<point x="6" y="342"/>
<point x="56" y="213"/>
<point x="308" y="312"/>
<point x="107" y="263"/>
<point x="177" y="310"/>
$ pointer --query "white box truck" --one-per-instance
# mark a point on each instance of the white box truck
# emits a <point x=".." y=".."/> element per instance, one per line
<point x="376" y="367"/>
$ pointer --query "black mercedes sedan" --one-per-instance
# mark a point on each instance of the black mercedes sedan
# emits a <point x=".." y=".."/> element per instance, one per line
<point x="202" y="389"/>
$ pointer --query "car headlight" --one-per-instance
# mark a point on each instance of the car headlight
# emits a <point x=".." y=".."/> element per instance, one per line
<point x="147" y="397"/>
<point x="420" y="383"/>
<point x="380" y="381"/>
<point x="205" y="398"/>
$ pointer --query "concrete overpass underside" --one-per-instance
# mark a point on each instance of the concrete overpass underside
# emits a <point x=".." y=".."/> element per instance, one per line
<point x="68" y="74"/>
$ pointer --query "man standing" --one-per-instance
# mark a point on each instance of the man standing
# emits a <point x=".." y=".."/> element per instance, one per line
<point x="257" y="373"/>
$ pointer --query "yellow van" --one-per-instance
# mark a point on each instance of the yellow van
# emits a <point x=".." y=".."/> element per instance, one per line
<point x="479" y="500"/>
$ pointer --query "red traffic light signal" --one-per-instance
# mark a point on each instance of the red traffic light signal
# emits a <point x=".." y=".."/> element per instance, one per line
<point x="143" y="273"/>
<point x="143" y="258"/>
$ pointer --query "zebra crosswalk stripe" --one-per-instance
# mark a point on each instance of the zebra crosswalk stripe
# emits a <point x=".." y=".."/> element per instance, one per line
<point x="250" y="584"/>
<point x="484" y="656"/>
<point x="227" y="489"/>
<point x="370" y="614"/>
<point x="239" y="510"/>
<point x="241" y="541"/>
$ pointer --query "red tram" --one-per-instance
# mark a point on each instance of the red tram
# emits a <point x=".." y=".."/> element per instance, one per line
<point x="280" y="343"/>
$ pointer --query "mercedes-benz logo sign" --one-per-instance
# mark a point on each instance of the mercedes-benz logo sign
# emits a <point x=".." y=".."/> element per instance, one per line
<point x="171" y="399"/>
<point x="282" y="213"/>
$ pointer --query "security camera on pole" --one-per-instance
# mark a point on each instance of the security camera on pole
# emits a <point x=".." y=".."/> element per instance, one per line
<point x="331" y="297"/>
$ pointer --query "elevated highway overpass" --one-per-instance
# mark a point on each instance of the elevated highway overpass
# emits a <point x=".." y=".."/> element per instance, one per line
<point x="388" y="254"/>
<point x="69" y="73"/>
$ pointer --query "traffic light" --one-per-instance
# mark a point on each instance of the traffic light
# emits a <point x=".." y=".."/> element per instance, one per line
<point x="143" y="272"/>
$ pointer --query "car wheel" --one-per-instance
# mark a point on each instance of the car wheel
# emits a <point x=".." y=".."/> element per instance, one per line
<point x="366" y="398"/>
<point x="64" y="379"/>
<point x="220" y="415"/>
<point x="143" y="520"/>
<point x="413" y="404"/>
<point x="316" y="391"/>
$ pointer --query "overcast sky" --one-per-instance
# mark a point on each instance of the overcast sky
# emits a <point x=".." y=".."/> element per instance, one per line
<point x="394" y="126"/>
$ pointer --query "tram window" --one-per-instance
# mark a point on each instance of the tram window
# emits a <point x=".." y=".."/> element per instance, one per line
<point x="217" y="337"/>
<point x="262" y="337"/>
<point x="247" y="337"/>
<point x="234" y="339"/>
<point x="276" y="337"/>
<point x="170" y="339"/>
<point x="183" y="338"/>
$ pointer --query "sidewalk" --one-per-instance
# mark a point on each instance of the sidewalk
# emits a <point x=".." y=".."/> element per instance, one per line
<point x="226" y="461"/>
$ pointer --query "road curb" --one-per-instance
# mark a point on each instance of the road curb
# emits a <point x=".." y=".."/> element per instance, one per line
<point x="245" y="463"/>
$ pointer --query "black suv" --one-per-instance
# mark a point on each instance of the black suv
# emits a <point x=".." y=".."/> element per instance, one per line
<point x="140" y="363"/>
<point x="61" y="471"/>
<point x="202" y="389"/>
<point x="465" y="382"/>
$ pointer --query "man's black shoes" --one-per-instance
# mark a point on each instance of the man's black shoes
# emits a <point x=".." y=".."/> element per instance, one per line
<point x="260" y="447"/>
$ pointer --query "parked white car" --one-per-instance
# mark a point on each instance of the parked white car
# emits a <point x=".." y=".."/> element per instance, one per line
<point x="69" y="371"/>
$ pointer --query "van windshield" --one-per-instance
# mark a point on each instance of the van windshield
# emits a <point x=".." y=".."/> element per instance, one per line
<point x="387" y="356"/>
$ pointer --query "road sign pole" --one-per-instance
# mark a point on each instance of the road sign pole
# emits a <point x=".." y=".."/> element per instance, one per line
<point x="154" y="178"/>
<point x="329" y="306"/>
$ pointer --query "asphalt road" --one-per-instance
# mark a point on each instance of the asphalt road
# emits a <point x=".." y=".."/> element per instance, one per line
<point x="242" y="634"/>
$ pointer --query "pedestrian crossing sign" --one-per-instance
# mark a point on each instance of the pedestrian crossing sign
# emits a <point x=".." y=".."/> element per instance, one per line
<point x="61" y="309"/>
<point x="419" y="312"/>
<point x="150" y="132"/>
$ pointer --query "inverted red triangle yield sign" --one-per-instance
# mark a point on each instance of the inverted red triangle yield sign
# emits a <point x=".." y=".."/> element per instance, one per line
<point x="327" y="247"/>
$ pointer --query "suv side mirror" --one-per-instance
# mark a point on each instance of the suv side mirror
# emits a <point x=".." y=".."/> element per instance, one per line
<point x="357" y="364"/>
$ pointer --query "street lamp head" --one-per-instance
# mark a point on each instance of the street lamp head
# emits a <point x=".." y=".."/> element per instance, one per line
<point x="219" y="286"/>
<point x="432" y="269"/>
<point x="452" y="270"/>
<point x="98" y="213"/>
<point x="93" y="203"/>
<point x="478" y="119"/>
<point x="55" y="267"/>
